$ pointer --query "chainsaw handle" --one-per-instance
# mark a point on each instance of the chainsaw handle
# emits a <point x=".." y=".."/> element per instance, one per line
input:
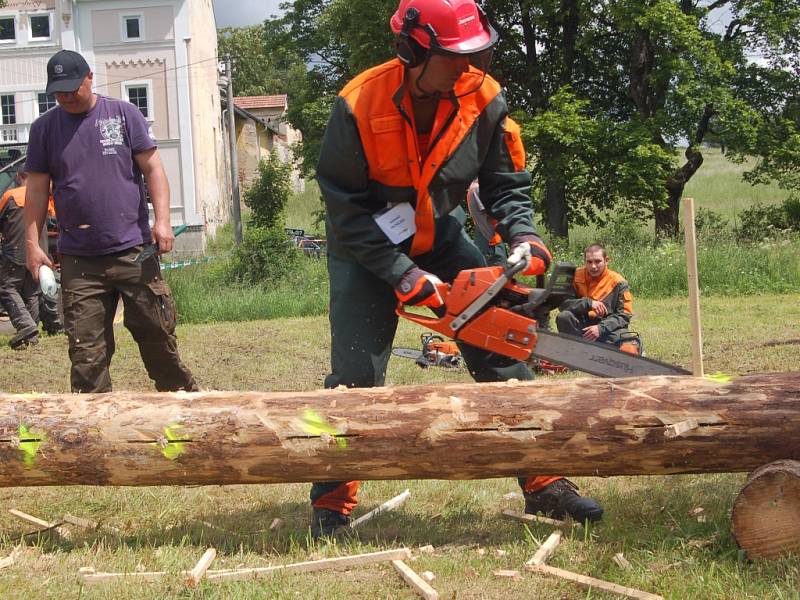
<point x="424" y="320"/>
<point x="512" y="270"/>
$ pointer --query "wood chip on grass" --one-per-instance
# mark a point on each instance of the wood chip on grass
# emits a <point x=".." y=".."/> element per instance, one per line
<point x="342" y="562"/>
<point x="196" y="574"/>
<point x="546" y="550"/>
<point x="421" y="587"/>
<point x="390" y="504"/>
<point x="43" y="526"/>
<point x="593" y="583"/>
<point x="530" y="519"/>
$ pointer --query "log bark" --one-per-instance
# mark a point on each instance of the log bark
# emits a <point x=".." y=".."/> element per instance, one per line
<point x="766" y="513"/>
<point x="461" y="431"/>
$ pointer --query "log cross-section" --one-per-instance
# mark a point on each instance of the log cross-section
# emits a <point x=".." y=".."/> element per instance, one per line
<point x="458" y="431"/>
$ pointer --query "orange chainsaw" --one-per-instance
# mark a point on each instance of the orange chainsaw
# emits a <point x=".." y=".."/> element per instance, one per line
<point x="487" y="308"/>
<point x="436" y="352"/>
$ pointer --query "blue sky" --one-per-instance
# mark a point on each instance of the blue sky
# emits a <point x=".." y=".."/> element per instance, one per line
<point x="239" y="13"/>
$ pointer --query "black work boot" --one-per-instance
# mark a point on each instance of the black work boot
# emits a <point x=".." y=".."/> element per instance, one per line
<point x="560" y="499"/>
<point x="27" y="336"/>
<point x="325" y="522"/>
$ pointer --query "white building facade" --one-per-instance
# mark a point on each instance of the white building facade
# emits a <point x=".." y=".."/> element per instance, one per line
<point x="161" y="55"/>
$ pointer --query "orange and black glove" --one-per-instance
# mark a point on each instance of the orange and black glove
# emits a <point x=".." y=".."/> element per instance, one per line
<point x="530" y="247"/>
<point x="418" y="288"/>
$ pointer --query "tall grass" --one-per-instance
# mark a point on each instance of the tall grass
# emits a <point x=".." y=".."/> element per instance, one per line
<point x="725" y="268"/>
<point x="654" y="269"/>
<point x="718" y="186"/>
<point x="203" y="296"/>
<point x="304" y="210"/>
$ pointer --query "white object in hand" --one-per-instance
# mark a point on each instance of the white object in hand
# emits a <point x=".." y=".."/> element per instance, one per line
<point x="520" y="252"/>
<point x="47" y="282"/>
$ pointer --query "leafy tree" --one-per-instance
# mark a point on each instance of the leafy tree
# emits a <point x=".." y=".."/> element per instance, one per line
<point x="607" y="92"/>
<point x="263" y="63"/>
<point x="269" y="193"/>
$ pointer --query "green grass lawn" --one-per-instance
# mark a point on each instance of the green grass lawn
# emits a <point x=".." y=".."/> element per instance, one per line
<point x="647" y="518"/>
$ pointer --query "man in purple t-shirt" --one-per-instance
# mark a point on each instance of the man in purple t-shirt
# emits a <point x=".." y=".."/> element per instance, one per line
<point x="97" y="153"/>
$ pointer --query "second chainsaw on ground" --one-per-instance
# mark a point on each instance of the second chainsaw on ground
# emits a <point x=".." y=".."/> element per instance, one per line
<point x="487" y="308"/>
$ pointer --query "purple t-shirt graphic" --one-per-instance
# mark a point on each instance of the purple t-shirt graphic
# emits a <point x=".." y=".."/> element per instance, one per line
<point x="97" y="186"/>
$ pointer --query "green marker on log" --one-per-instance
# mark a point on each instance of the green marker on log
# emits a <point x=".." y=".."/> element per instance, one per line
<point x="29" y="443"/>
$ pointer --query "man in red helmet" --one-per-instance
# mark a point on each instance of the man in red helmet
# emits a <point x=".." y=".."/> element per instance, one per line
<point x="404" y="141"/>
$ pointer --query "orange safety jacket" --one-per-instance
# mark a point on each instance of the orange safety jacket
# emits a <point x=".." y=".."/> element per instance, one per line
<point x="612" y="290"/>
<point x="370" y="161"/>
<point x="12" y="224"/>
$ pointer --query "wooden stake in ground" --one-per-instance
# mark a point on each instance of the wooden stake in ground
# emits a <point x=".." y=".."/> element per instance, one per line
<point x="196" y="574"/>
<point x="421" y="587"/>
<point x="591" y="582"/>
<point x="694" y="286"/>
<point x="766" y="513"/>
<point x="614" y="426"/>
<point x="546" y="550"/>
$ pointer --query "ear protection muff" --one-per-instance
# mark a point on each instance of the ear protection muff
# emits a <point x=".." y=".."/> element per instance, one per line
<point x="410" y="52"/>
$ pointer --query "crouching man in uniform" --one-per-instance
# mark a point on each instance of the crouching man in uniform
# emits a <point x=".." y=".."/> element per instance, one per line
<point x="603" y="309"/>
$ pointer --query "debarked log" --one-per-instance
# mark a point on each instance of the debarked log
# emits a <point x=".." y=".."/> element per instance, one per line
<point x="459" y="431"/>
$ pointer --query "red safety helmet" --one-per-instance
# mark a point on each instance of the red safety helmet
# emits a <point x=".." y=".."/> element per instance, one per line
<point x="448" y="26"/>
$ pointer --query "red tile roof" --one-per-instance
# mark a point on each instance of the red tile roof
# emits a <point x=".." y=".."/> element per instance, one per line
<point x="276" y="101"/>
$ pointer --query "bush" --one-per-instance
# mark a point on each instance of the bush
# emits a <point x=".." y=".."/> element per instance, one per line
<point x="266" y="255"/>
<point x="270" y="191"/>
<point x="711" y="225"/>
<point x="763" y="223"/>
<point x="624" y="231"/>
<point x="792" y="208"/>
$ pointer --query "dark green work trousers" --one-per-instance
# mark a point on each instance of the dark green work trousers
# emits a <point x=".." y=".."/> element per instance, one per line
<point x="19" y="295"/>
<point x="92" y="287"/>
<point x="363" y="325"/>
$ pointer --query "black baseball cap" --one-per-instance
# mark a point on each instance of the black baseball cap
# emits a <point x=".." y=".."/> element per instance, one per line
<point x="66" y="70"/>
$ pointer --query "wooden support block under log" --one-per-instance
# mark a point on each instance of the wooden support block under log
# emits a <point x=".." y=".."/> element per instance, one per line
<point x="592" y="427"/>
<point x="421" y="587"/>
<point x="526" y="518"/>
<point x="591" y="582"/>
<point x="766" y="513"/>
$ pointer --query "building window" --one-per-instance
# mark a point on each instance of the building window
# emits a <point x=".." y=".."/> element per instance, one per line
<point x="45" y="102"/>
<point x="39" y="27"/>
<point x="132" y="28"/>
<point x="140" y="95"/>
<point x="8" y="109"/>
<point x="8" y="30"/>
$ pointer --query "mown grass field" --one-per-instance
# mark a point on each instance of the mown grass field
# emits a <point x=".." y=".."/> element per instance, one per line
<point x="647" y="518"/>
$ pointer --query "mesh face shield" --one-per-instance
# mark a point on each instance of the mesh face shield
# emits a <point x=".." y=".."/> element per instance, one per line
<point x="470" y="81"/>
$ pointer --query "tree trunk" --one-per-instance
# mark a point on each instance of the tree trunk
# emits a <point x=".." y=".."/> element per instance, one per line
<point x="555" y="198"/>
<point x="667" y="217"/>
<point x="651" y="425"/>
<point x="766" y="513"/>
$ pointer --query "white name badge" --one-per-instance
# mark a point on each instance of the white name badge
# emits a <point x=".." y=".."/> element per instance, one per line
<point x="397" y="222"/>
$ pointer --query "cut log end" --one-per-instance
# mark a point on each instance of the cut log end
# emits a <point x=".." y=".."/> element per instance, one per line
<point x="766" y="513"/>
